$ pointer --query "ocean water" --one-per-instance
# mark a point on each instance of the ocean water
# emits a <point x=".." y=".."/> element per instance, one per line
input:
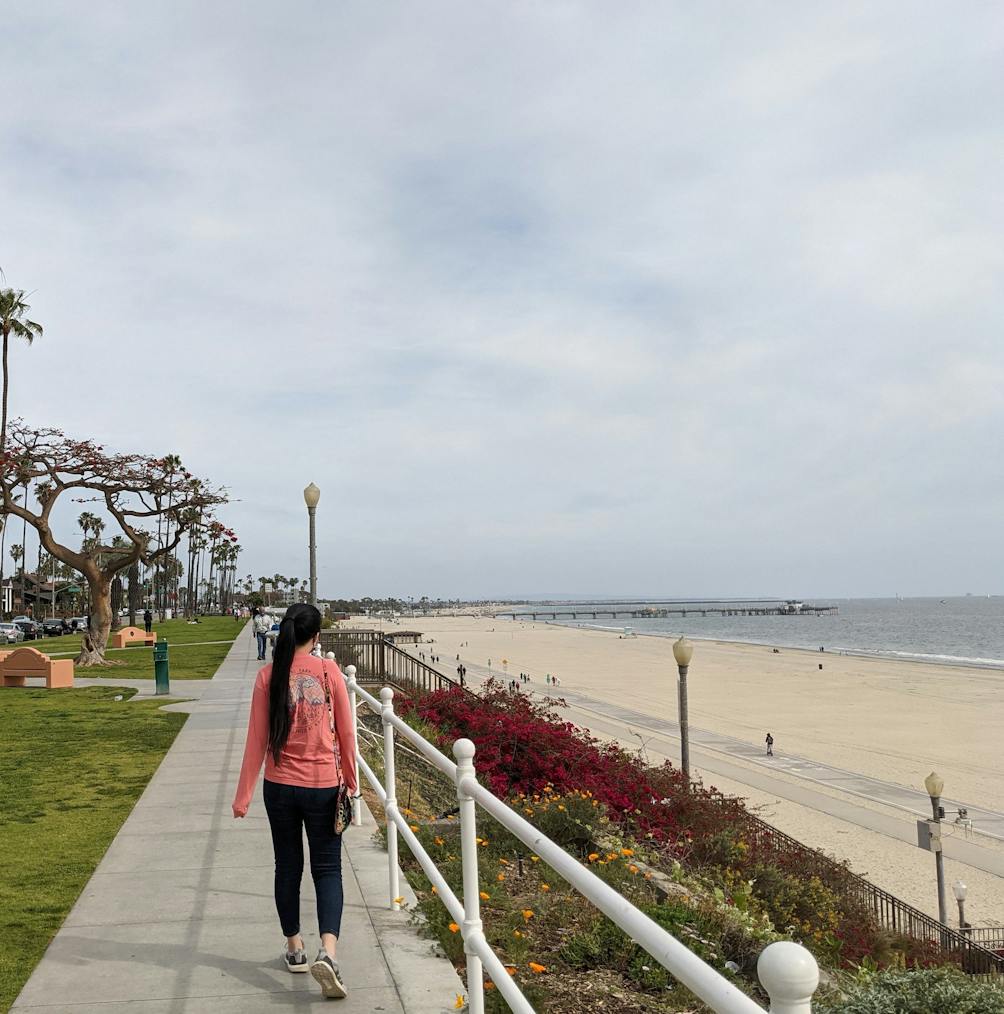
<point x="960" y="631"/>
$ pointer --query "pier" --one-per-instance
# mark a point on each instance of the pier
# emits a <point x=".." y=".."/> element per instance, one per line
<point x="642" y="611"/>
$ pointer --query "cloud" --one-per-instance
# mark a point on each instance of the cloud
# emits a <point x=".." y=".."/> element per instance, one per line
<point x="542" y="296"/>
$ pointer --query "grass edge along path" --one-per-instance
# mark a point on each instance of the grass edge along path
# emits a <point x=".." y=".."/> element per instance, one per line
<point x="73" y="763"/>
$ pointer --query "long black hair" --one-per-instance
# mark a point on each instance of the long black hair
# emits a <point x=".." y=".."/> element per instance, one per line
<point x="301" y="623"/>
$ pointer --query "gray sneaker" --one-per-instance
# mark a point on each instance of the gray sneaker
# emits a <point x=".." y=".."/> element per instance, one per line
<point x="325" y="972"/>
<point x="296" y="961"/>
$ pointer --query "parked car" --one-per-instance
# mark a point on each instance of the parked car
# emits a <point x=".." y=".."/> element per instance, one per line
<point x="20" y="619"/>
<point x="55" y="627"/>
<point x="11" y="633"/>
<point x="78" y="623"/>
<point x="29" y="628"/>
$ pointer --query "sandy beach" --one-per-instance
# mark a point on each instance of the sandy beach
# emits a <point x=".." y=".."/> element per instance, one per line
<point x="888" y="719"/>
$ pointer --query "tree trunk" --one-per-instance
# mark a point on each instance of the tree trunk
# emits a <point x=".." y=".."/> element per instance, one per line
<point x="99" y="623"/>
<point x="158" y="594"/>
<point x="133" y="593"/>
<point x="6" y="381"/>
<point x="3" y="545"/>
<point x="116" y="600"/>
<point x="24" y="551"/>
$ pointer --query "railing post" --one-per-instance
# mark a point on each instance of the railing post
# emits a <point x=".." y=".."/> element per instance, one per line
<point x="463" y="750"/>
<point x="357" y="807"/>
<point x="390" y="787"/>
<point x="790" y="975"/>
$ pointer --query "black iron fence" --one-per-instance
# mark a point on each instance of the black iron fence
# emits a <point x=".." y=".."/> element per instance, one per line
<point x="972" y="950"/>
<point x="377" y="661"/>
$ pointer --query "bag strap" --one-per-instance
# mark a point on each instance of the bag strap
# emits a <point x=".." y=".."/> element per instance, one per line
<point x="330" y="701"/>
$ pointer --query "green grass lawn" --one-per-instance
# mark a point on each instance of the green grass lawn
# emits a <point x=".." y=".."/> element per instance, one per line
<point x="210" y="628"/>
<point x="189" y="658"/>
<point x="72" y="765"/>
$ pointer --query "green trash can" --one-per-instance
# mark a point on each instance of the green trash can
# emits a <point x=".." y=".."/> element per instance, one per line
<point x="161" y="668"/>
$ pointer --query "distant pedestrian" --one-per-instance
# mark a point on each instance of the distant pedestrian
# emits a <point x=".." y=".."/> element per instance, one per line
<point x="148" y="621"/>
<point x="547" y="679"/>
<point x="261" y="625"/>
<point x="770" y="745"/>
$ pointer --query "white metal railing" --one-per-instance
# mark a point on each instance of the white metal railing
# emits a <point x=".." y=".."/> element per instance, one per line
<point x="788" y="971"/>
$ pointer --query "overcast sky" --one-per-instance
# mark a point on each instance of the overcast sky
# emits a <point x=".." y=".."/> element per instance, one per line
<point x="547" y="297"/>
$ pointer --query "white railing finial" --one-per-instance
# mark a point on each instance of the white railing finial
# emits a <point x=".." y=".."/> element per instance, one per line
<point x="464" y="750"/>
<point x="790" y="975"/>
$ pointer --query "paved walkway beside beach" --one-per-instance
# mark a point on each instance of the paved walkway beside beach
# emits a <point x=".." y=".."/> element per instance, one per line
<point x="179" y="916"/>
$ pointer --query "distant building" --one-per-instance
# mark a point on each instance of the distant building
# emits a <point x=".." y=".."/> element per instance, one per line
<point x="403" y="636"/>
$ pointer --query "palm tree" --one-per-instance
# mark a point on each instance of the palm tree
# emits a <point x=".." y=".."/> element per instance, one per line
<point x="16" y="552"/>
<point x="13" y="322"/>
<point x="4" y="518"/>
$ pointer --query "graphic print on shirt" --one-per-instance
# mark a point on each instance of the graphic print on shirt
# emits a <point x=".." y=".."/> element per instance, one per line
<point x="306" y="702"/>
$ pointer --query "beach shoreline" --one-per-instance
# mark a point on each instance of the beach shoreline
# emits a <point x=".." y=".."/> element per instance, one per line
<point x="879" y="654"/>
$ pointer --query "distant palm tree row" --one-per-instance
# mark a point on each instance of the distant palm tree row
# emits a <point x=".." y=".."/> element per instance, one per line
<point x="275" y="590"/>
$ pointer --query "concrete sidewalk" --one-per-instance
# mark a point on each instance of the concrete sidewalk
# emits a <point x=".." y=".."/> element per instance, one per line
<point x="179" y="915"/>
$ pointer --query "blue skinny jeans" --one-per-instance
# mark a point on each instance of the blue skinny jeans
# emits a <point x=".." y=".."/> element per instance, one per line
<point x="290" y="809"/>
<point x="262" y="644"/>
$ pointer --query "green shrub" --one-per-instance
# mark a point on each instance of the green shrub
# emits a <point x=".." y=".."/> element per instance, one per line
<point x="603" y="944"/>
<point x="920" y="991"/>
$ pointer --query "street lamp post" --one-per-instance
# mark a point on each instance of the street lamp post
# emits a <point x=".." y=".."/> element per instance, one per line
<point x="311" y="497"/>
<point x="960" y="890"/>
<point x="683" y="652"/>
<point x="935" y="785"/>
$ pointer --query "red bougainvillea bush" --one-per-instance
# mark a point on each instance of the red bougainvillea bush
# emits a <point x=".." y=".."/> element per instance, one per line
<point x="523" y="745"/>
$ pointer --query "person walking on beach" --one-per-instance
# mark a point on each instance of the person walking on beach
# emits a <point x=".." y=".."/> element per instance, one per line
<point x="261" y="625"/>
<point x="770" y="745"/>
<point x="301" y="727"/>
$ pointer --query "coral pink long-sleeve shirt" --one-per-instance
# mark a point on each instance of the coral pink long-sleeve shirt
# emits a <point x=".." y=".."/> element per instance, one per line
<point x="308" y="757"/>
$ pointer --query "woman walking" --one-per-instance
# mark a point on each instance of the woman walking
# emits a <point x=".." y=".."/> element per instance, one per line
<point x="301" y="727"/>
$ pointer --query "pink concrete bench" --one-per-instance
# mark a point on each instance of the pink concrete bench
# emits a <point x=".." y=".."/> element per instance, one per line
<point x="129" y="634"/>
<point x="23" y="663"/>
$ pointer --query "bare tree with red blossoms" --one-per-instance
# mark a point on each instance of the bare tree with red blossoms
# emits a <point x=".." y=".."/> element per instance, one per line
<point x="136" y="490"/>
